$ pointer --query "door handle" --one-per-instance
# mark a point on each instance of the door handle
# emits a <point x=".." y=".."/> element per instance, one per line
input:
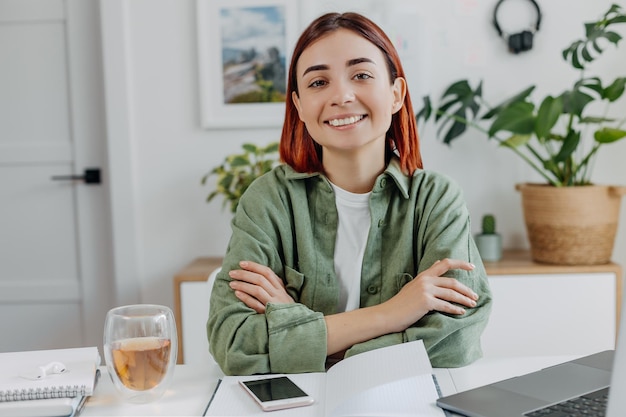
<point x="90" y="176"/>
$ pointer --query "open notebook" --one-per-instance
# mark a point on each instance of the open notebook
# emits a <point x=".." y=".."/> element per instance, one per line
<point x="396" y="380"/>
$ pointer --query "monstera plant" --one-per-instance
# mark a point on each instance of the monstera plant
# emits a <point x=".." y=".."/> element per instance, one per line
<point x="558" y="136"/>
<point x="568" y="219"/>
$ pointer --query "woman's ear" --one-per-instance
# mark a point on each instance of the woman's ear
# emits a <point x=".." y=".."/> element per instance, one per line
<point x="399" y="92"/>
<point x="296" y="102"/>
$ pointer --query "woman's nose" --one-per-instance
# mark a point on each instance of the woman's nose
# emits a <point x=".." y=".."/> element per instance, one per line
<point x="342" y="94"/>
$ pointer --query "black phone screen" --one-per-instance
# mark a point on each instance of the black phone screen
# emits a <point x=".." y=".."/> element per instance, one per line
<point x="273" y="389"/>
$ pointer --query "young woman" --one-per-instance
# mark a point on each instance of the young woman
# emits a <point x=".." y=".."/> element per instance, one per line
<point x="349" y="245"/>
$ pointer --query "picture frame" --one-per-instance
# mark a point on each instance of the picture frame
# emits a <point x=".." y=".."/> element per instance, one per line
<point x="244" y="48"/>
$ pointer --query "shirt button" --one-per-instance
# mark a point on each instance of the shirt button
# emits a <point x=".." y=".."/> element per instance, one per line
<point x="372" y="289"/>
<point x="383" y="182"/>
<point x="381" y="223"/>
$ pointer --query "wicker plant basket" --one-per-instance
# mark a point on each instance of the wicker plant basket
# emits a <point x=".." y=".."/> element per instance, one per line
<point x="571" y="225"/>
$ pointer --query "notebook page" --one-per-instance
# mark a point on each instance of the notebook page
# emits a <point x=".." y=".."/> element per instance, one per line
<point x="414" y="396"/>
<point x="231" y="399"/>
<point x="378" y="367"/>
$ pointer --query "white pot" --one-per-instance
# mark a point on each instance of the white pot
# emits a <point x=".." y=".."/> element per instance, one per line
<point x="489" y="246"/>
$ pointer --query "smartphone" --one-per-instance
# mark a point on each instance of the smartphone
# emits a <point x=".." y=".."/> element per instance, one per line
<point x="276" y="393"/>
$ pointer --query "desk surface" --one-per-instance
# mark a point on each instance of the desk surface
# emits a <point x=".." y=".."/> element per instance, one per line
<point x="193" y="386"/>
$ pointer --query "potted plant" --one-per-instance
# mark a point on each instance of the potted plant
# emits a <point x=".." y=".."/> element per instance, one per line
<point x="489" y="242"/>
<point x="237" y="171"/>
<point x="559" y="138"/>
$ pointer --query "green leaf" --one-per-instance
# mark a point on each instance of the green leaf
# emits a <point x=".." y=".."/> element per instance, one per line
<point x="519" y="97"/>
<point x="574" y="102"/>
<point x="426" y="111"/>
<point x="576" y="61"/>
<point x="518" y="118"/>
<point x="609" y="135"/>
<point x="596" y="46"/>
<point x="595" y="120"/>
<point x="569" y="146"/>
<point x="586" y="54"/>
<point x="618" y="19"/>
<point x="612" y="37"/>
<point x="591" y="83"/>
<point x="464" y="104"/>
<point x="239" y="160"/>
<point x="516" y="141"/>
<point x="250" y="147"/>
<point x="226" y="181"/>
<point x="615" y="90"/>
<point x="456" y="130"/>
<point x="549" y="112"/>
<point x="211" y="196"/>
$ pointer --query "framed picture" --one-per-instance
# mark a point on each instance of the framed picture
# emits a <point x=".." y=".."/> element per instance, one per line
<point x="244" y="51"/>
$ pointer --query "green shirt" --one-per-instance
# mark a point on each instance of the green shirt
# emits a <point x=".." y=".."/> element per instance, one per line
<point x="288" y="221"/>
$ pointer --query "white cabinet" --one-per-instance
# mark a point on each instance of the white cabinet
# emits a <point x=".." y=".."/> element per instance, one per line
<point x="549" y="309"/>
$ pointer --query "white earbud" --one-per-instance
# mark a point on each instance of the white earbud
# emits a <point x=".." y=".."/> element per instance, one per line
<point x="45" y="370"/>
<point x="53" y="368"/>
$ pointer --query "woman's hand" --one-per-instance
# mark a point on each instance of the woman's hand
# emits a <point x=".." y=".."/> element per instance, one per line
<point x="430" y="291"/>
<point x="256" y="285"/>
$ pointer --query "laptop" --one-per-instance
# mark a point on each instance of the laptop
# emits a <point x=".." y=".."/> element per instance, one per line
<point x="565" y="386"/>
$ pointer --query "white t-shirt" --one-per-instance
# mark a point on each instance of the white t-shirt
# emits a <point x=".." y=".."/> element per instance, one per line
<point x="352" y="232"/>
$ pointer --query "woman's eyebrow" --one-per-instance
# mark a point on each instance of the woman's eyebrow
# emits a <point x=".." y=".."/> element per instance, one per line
<point x="320" y="67"/>
<point x="357" y="61"/>
<point x="349" y="63"/>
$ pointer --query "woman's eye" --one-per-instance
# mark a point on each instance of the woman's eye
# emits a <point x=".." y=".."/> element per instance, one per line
<point x="362" y="76"/>
<point x="317" y="83"/>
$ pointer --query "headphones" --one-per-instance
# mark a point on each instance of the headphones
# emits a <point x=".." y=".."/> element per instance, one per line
<point x="522" y="41"/>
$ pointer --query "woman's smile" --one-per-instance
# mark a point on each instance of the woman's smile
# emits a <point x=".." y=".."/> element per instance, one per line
<point x="345" y="121"/>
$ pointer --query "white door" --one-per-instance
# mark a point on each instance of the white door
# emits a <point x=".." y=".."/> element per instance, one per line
<point x="55" y="243"/>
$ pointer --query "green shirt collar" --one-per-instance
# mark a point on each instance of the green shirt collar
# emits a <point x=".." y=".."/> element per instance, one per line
<point x="393" y="170"/>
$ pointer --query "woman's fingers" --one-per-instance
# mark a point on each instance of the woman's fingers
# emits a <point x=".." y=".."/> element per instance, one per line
<point x="435" y="292"/>
<point x="444" y="265"/>
<point x="455" y="295"/>
<point x="264" y="271"/>
<point x="258" y="282"/>
<point x="456" y="291"/>
<point x="250" y="301"/>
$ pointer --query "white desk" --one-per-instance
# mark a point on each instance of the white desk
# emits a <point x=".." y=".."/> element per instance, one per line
<point x="193" y="386"/>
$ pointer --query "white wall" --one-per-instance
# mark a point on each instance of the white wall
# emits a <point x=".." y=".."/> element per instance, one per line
<point x="449" y="39"/>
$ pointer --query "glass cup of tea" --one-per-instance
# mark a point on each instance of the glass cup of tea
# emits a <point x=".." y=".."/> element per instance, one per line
<point x="140" y="349"/>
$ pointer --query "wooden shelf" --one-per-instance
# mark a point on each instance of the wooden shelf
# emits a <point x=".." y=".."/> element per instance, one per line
<point x="519" y="262"/>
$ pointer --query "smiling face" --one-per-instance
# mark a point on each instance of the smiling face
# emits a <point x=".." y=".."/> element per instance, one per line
<point x="345" y="96"/>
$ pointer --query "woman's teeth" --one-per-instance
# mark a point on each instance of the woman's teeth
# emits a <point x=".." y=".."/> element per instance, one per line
<point x="346" y="121"/>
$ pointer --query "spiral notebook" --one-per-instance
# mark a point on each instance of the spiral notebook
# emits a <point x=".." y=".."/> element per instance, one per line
<point x="42" y="374"/>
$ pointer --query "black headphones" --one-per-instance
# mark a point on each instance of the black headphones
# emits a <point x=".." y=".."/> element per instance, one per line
<point x="518" y="42"/>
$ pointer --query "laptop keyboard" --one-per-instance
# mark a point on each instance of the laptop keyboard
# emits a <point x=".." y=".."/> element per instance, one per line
<point x="588" y="405"/>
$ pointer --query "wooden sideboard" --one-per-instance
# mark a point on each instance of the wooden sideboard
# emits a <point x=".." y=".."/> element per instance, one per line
<point x="195" y="272"/>
<point x="538" y="308"/>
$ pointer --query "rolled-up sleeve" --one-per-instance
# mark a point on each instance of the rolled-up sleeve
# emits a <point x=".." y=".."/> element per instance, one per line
<point x="287" y="338"/>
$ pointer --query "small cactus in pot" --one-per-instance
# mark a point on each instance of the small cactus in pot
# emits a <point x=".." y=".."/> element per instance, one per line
<point x="489" y="242"/>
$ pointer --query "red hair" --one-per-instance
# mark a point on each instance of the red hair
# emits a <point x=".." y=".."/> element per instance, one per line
<point x="297" y="147"/>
